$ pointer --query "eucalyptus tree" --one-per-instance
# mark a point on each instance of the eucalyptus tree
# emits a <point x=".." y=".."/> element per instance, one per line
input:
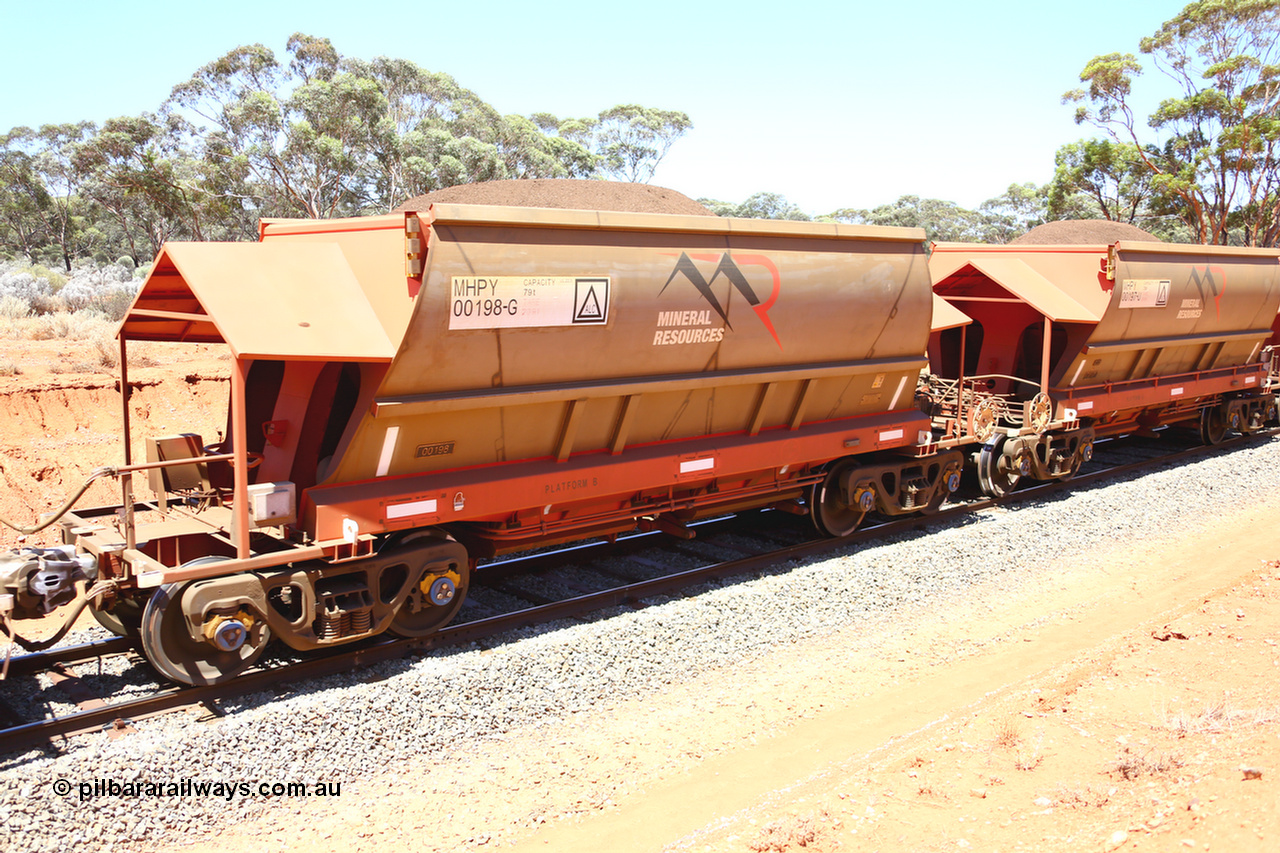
<point x="67" y="215"/>
<point x="24" y="201"/>
<point x="326" y="135"/>
<point x="138" y="172"/>
<point x="436" y="133"/>
<point x="288" y="141"/>
<point x="1100" y="178"/>
<point x="1015" y="212"/>
<point x="632" y="140"/>
<point x="944" y="221"/>
<point x="626" y="142"/>
<point x="761" y="205"/>
<point x="1214" y="155"/>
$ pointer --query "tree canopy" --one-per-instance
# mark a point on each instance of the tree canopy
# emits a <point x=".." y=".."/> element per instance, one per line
<point x="312" y="134"/>
<point x="1212" y="154"/>
<point x="761" y="205"/>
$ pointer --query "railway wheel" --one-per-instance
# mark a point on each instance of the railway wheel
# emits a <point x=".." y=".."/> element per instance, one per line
<point x="1213" y="425"/>
<point x="124" y="619"/>
<point x="1083" y="454"/>
<point x="440" y="563"/>
<point x="1000" y="471"/>
<point x="827" y="507"/>
<point x="235" y="644"/>
<point x="949" y="485"/>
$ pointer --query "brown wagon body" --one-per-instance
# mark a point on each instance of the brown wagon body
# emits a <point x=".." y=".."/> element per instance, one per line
<point x="1073" y="342"/>
<point x="416" y="390"/>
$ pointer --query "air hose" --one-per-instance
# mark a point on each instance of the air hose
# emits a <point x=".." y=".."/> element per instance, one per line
<point x="40" y="645"/>
<point x="27" y="531"/>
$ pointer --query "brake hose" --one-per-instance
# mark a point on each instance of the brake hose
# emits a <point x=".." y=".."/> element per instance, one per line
<point x="27" y="531"/>
<point x="40" y="645"/>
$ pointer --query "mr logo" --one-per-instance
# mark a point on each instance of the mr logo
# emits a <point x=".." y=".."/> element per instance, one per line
<point x="729" y="267"/>
<point x="1212" y="282"/>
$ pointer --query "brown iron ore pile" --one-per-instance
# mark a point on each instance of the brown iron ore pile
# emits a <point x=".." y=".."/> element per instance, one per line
<point x="1083" y="232"/>
<point x="565" y="194"/>
<point x="572" y="194"/>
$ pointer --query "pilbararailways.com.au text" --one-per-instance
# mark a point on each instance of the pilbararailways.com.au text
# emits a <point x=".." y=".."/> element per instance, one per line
<point x="196" y="788"/>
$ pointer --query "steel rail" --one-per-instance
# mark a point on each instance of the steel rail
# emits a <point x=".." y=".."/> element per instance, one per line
<point x="316" y="665"/>
<point x="38" y="661"/>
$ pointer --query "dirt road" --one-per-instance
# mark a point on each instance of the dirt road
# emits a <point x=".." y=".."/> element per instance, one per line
<point x="1128" y="705"/>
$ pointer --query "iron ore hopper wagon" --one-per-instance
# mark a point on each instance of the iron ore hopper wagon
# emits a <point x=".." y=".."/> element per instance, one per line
<point x="416" y="391"/>
<point x="1071" y="343"/>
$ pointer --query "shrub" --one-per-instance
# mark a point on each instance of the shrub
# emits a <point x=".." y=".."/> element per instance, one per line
<point x="23" y="285"/>
<point x="13" y="308"/>
<point x="55" y="279"/>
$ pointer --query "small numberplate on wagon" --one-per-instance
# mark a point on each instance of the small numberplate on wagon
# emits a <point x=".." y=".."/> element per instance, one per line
<point x="517" y="301"/>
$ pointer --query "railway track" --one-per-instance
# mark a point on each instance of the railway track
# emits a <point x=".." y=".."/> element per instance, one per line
<point x="504" y="599"/>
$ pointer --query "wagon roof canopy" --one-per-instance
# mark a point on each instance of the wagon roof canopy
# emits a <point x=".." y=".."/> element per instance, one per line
<point x="947" y="316"/>
<point x="264" y="300"/>
<point x="1023" y="282"/>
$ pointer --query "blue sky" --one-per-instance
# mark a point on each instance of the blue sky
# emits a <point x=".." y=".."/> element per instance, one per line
<point x="832" y="105"/>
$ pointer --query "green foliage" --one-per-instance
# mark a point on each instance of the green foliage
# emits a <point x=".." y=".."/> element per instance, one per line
<point x="334" y="136"/>
<point x="625" y="143"/>
<point x="56" y="280"/>
<point x="1216" y="161"/>
<point x="942" y="221"/>
<point x="761" y="205"/>
<point x="997" y="220"/>
<point x="631" y="140"/>
<point x="1021" y="208"/>
<point x="1100" y="178"/>
<point x="315" y="135"/>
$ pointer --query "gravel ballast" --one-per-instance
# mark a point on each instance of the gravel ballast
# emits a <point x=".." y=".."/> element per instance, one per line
<point x="423" y="710"/>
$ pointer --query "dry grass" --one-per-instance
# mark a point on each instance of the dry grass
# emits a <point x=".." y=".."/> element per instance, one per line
<point x="1025" y="756"/>
<point x="1083" y="798"/>
<point x="797" y="831"/>
<point x="1217" y="717"/>
<point x="13" y="308"/>
<point x="1130" y="765"/>
<point x="1008" y="735"/>
<point x="107" y="349"/>
<point x="77" y="325"/>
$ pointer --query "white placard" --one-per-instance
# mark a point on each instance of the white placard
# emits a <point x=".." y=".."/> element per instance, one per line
<point x="404" y="510"/>
<point x="1144" y="293"/>
<point x="516" y="301"/>
<point x="692" y="465"/>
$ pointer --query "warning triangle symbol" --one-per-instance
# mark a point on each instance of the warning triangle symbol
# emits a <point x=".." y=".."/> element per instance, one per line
<point x="589" y="309"/>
